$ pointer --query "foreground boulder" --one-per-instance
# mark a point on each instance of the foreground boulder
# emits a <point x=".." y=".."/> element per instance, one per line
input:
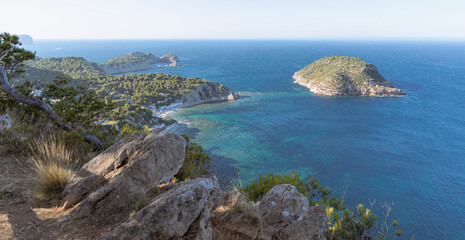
<point x="283" y="213"/>
<point x="115" y="179"/>
<point x="183" y="212"/>
<point x="288" y="213"/>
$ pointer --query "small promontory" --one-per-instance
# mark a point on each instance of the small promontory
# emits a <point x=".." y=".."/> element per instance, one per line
<point x="345" y="76"/>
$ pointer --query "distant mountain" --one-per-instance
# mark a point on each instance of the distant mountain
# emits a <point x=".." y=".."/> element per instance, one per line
<point x="25" y="39"/>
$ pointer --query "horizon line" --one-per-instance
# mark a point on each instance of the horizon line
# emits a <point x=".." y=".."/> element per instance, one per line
<point x="269" y="39"/>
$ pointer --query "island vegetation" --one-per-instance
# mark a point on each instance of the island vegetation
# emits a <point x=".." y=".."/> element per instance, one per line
<point x="76" y="68"/>
<point x="345" y="76"/>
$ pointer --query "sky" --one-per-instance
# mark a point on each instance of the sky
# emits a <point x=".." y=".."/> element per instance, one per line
<point x="235" y="19"/>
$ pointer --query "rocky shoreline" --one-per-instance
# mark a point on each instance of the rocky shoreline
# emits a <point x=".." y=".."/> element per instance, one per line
<point x="345" y="76"/>
<point x="208" y="92"/>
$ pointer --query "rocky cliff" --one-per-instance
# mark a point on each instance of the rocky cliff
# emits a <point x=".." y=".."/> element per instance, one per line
<point x="345" y="76"/>
<point x="169" y="57"/>
<point x="208" y="92"/>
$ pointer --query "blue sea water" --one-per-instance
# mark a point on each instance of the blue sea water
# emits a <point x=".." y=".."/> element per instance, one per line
<point x="408" y="150"/>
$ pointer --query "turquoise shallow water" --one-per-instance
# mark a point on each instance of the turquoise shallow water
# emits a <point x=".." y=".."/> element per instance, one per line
<point x="409" y="150"/>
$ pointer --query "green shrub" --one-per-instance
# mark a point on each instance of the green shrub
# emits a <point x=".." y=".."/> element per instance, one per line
<point x="195" y="162"/>
<point x="343" y="223"/>
<point x="312" y="189"/>
<point x="128" y="130"/>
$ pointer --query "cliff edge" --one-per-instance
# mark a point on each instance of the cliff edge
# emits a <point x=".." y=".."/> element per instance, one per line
<point x="208" y="92"/>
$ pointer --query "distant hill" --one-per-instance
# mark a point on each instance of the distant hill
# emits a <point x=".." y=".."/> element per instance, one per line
<point x="46" y="69"/>
<point x="25" y="39"/>
<point x="135" y="61"/>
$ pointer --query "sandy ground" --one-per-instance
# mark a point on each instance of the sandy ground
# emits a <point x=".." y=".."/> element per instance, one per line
<point x="24" y="217"/>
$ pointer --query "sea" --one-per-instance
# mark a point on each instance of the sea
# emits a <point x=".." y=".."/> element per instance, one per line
<point x="407" y="151"/>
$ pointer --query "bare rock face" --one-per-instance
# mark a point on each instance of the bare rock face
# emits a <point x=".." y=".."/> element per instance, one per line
<point x="208" y="92"/>
<point x="5" y="122"/>
<point x="283" y="213"/>
<point x="173" y="64"/>
<point x="183" y="212"/>
<point x="115" y="179"/>
<point x="169" y="57"/>
<point x="288" y="212"/>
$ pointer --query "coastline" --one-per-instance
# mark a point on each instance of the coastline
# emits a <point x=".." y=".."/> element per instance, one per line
<point x="370" y="91"/>
<point x="167" y="111"/>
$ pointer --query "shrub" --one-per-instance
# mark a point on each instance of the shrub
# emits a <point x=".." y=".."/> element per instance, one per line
<point x="128" y="130"/>
<point x="195" y="162"/>
<point x="343" y="223"/>
<point x="312" y="189"/>
<point x="53" y="164"/>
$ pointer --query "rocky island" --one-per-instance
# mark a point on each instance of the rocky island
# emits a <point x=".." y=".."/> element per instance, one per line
<point x="136" y="61"/>
<point x="345" y="76"/>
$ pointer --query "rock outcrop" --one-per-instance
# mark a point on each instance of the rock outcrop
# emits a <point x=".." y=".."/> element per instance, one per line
<point x="136" y="61"/>
<point x="283" y="213"/>
<point x="5" y="122"/>
<point x="208" y="92"/>
<point x="288" y="213"/>
<point x="115" y="179"/>
<point x="345" y="76"/>
<point x="183" y="212"/>
<point x="169" y="57"/>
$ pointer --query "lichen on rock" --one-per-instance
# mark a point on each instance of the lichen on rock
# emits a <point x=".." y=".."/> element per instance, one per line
<point x="183" y="212"/>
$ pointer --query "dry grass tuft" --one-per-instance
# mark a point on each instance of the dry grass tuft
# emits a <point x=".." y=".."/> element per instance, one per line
<point x="249" y="212"/>
<point x="53" y="163"/>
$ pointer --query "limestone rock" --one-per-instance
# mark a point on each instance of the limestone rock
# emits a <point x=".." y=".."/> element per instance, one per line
<point x="5" y="122"/>
<point x="113" y="180"/>
<point x="283" y="213"/>
<point x="208" y="92"/>
<point x="169" y="57"/>
<point x="288" y="213"/>
<point x="345" y="76"/>
<point x="183" y="212"/>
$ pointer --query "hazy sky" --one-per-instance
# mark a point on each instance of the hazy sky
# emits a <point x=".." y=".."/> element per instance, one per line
<point x="243" y="19"/>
